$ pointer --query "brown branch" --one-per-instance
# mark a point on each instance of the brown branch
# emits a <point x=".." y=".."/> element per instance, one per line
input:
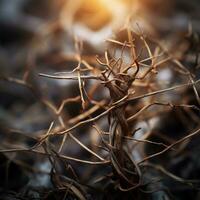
<point x="171" y="146"/>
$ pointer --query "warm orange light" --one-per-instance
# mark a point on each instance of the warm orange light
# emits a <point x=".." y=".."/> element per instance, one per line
<point x="95" y="14"/>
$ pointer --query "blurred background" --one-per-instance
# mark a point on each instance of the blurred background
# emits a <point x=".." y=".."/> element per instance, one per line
<point x="38" y="36"/>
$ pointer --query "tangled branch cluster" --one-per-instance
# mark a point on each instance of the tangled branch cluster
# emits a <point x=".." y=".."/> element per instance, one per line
<point x="120" y="98"/>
